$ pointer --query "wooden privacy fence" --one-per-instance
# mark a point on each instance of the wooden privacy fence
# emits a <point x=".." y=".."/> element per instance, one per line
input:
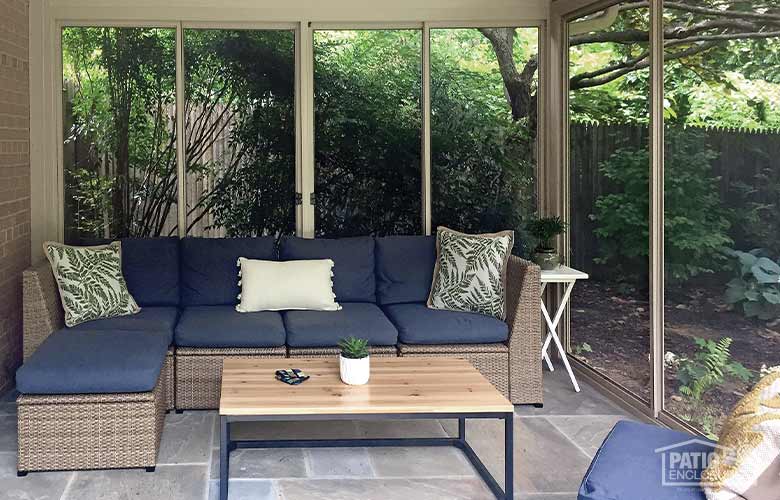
<point x="743" y="157"/>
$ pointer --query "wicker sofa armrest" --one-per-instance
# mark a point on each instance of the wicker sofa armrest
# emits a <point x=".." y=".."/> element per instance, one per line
<point x="523" y="293"/>
<point x="43" y="313"/>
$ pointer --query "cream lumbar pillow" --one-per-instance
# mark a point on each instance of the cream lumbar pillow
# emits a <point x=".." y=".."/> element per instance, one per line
<point x="470" y="272"/>
<point x="746" y="463"/>
<point x="90" y="281"/>
<point x="277" y="286"/>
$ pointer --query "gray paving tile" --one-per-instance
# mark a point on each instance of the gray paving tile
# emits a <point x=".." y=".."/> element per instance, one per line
<point x="545" y="460"/>
<point x="8" y="408"/>
<point x="245" y="489"/>
<point x="186" y="438"/>
<point x="587" y="431"/>
<point x="180" y="482"/>
<point x="561" y="399"/>
<point x="341" y="462"/>
<point x="400" y="428"/>
<point x="419" y="462"/>
<point x="336" y="429"/>
<point x="9" y="396"/>
<point x="546" y="496"/>
<point x="266" y="463"/>
<point x="36" y="485"/>
<point x="385" y="489"/>
<point x="8" y="433"/>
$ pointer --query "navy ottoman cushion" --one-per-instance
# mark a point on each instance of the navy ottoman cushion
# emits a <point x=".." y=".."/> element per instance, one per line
<point x="326" y="328"/>
<point x="94" y="362"/>
<point x="151" y="269"/>
<point x="628" y="467"/>
<point x="222" y="326"/>
<point x="155" y="319"/>
<point x="404" y="268"/>
<point x="353" y="258"/>
<point x="418" y="324"/>
<point x="209" y="274"/>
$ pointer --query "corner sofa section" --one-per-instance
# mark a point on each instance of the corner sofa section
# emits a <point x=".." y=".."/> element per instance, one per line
<point x="188" y="290"/>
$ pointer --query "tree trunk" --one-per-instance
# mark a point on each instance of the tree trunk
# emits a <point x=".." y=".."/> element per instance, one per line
<point x="518" y="84"/>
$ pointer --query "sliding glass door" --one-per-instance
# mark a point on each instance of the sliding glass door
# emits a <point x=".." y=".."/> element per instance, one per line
<point x="609" y="174"/>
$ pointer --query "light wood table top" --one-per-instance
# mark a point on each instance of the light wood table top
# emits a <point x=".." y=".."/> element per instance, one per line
<point x="397" y="385"/>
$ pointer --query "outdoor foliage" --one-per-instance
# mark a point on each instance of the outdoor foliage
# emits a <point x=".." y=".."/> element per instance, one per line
<point x="695" y="224"/>
<point x="756" y="287"/>
<point x="708" y="368"/>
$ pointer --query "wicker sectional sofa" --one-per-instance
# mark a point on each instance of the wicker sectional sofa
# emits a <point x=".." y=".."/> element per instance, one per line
<point x="94" y="396"/>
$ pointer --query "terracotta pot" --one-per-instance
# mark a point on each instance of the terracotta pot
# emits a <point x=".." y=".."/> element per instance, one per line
<point x="547" y="259"/>
<point x="354" y="371"/>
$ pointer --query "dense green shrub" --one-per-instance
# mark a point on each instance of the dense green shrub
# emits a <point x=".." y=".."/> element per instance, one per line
<point x="695" y="223"/>
<point x="756" y="286"/>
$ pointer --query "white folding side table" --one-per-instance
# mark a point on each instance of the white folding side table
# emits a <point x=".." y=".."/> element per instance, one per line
<point x="568" y="277"/>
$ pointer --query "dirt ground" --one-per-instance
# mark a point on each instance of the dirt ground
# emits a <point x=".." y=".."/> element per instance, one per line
<point x="613" y="320"/>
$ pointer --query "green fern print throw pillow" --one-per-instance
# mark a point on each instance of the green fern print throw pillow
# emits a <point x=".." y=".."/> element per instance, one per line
<point x="90" y="281"/>
<point x="470" y="272"/>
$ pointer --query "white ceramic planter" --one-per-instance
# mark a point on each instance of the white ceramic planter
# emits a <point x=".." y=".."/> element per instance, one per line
<point x="354" y="371"/>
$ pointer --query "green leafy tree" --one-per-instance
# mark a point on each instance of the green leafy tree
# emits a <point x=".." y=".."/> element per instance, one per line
<point x="695" y="224"/>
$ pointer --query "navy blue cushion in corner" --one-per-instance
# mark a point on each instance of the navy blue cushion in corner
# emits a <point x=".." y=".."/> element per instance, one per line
<point x="404" y="268"/>
<point x="94" y="362"/>
<point x="326" y="328"/>
<point x="353" y="258"/>
<point x="223" y="326"/>
<point x="149" y="319"/>
<point x="151" y="268"/>
<point x="629" y="467"/>
<point x="209" y="275"/>
<point x="418" y="324"/>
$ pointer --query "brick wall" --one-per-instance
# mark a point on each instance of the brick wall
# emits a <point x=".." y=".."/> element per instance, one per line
<point x="14" y="180"/>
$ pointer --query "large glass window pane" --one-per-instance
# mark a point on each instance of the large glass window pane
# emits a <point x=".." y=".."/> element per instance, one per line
<point x="483" y="129"/>
<point x="119" y="136"/>
<point x="722" y="204"/>
<point x="240" y="132"/>
<point x="609" y="197"/>
<point x="367" y="132"/>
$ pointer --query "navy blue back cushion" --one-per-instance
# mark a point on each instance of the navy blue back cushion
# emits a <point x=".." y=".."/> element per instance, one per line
<point x="209" y="272"/>
<point x="404" y="268"/>
<point x="151" y="269"/>
<point x="353" y="258"/>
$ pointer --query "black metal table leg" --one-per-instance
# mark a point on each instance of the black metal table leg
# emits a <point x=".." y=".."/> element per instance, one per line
<point x="509" y="468"/>
<point x="462" y="429"/>
<point x="224" y="457"/>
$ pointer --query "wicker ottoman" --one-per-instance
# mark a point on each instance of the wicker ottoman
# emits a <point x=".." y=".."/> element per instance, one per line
<point x="90" y="431"/>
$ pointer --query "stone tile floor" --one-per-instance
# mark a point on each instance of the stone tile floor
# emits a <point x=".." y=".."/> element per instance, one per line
<point x="553" y="447"/>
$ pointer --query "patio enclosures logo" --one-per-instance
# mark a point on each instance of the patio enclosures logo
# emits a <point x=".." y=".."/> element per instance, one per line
<point x="682" y="464"/>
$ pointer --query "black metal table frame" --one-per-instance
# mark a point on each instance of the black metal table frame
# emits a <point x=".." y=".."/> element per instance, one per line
<point x="227" y="444"/>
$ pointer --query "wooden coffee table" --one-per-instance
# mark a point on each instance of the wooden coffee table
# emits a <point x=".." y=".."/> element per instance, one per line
<point x="400" y="388"/>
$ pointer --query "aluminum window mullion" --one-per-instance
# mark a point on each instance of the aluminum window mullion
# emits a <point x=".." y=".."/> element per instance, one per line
<point x="181" y="173"/>
<point x="426" y="129"/>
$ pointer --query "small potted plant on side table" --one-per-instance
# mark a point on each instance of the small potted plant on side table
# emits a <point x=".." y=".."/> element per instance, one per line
<point x="354" y="363"/>
<point x="544" y="229"/>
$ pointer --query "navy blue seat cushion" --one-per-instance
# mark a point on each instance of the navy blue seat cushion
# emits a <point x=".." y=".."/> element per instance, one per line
<point x="151" y="269"/>
<point x="223" y="326"/>
<point x="94" y="362"/>
<point x="404" y="268"/>
<point x="418" y="324"/>
<point x="209" y="275"/>
<point x="326" y="328"/>
<point x="155" y="319"/>
<point x="353" y="258"/>
<point x="628" y="467"/>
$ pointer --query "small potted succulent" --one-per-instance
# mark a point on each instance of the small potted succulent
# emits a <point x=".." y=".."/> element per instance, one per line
<point x="354" y="362"/>
<point x="544" y="229"/>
